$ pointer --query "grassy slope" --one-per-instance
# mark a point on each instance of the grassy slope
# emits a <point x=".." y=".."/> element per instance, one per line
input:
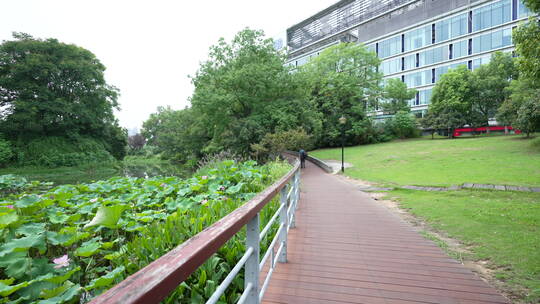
<point x="505" y="160"/>
<point x="501" y="227"/>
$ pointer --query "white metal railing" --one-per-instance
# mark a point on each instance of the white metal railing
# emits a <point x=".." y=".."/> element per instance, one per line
<point x="253" y="293"/>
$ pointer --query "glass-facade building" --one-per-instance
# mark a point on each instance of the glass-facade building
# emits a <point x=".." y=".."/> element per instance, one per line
<point x="417" y="41"/>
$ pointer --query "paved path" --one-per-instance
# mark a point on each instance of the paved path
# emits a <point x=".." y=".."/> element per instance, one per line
<point x="346" y="248"/>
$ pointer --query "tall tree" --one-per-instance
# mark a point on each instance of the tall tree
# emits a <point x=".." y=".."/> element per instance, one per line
<point x="527" y="40"/>
<point x="490" y="81"/>
<point x="521" y="110"/>
<point x="245" y="91"/>
<point x="452" y="97"/>
<point x="343" y="81"/>
<point x="396" y="96"/>
<point x="177" y="134"/>
<point x="49" y="88"/>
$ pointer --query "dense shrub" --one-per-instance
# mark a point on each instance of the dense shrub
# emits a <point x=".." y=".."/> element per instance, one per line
<point x="403" y="125"/>
<point x="6" y="153"/>
<point x="274" y="143"/>
<point x="58" y="151"/>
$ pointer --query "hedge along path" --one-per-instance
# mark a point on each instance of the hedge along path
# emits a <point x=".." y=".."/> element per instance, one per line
<point x="347" y="248"/>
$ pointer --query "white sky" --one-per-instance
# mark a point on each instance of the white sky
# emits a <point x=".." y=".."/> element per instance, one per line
<point x="149" y="47"/>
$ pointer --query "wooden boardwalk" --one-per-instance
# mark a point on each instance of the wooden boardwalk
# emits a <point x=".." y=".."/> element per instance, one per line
<point x="347" y="248"/>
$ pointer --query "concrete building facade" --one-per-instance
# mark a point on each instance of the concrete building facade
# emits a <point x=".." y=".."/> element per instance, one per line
<point x="417" y="41"/>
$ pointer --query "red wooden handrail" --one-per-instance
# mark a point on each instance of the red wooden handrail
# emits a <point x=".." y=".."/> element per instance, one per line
<point x="157" y="280"/>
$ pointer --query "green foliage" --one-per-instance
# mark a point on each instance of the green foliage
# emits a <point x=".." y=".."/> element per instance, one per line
<point x="6" y="152"/>
<point x="59" y="151"/>
<point x="533" y="5"/>
<point x="462" y="97"/>
<point x="178" y="135"/>
<point x="273" y="144"/>
<point x="136" y="143"/>
<point x="522" y="108"/>
<point x="490" y="82"/>
<point x="397" y="95"/>
<point x="48" y="237"/>
<point x="528" y="118"/>
<point x="343" y="81"/>
<point x="49" y="88"/>
<point x="527" y="40"/>
<point x="452" y="99"/>
<point x="245" y="91"/>
<point x="403" y="125"/>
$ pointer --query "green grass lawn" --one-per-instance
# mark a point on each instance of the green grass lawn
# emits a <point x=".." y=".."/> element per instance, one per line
<point x="503" y="160"/>
<point x="502" y="228"/>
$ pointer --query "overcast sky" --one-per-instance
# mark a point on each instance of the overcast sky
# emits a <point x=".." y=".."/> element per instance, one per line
<point x="150" y="47"/>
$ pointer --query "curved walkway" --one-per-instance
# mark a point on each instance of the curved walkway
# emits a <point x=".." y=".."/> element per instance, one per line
<point x="346" y="248"/>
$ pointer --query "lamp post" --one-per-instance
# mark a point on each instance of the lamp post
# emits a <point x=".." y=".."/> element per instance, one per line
<point x="342" y="121"/>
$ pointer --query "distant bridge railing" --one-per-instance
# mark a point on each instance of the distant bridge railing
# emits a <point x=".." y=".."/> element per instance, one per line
<point x="157" y="280"/>
<point x="320" y="163"/>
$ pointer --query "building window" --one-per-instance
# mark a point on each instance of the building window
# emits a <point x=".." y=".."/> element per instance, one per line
<point x="459" y="25"/>
<point x="450" y="51"/>
<point x="433" y="33"/>
<point x="435" y="55"/>
<point x="389" y="47"/>
<point x="492" y="15"/>
<point x="491" y="41"/>
<point x="442" y="30"/>
<point x="409" y="62"/>
<point x="418" y="38"/>
<point x="391" y="66"/>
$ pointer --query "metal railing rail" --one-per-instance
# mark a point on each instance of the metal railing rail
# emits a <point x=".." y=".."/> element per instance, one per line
<point x="157" y="280"/>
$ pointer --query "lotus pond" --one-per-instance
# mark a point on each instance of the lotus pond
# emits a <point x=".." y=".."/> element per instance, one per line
<point x="70" y="243"/>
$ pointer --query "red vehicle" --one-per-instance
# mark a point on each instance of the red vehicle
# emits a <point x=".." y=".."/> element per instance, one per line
<point x="461" y="131"/>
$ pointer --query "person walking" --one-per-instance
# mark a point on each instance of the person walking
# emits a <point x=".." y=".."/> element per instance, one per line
<point x="303" y="155"/>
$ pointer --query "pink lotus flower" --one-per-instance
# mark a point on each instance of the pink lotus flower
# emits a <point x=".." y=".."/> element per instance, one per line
<point x="62" y="261"/>
<point x="224" y="198"/>
<point x="204" y="177"/>
<point x="222" y="188"/>
<point x="93" y="200"/>
<point x="204" y="202"/>
<point x="10" y="207"/>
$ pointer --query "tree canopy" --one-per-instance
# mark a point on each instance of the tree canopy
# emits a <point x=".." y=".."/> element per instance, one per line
<point x="49" y="88"/>
<point x="244" y="91"/>
<point x="452" y="97"/>
<point x="343" y="81"/>
<point x="490" y="82"/>
<point x="397" y="95"/>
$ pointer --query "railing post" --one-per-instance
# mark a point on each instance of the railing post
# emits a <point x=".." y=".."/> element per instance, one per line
<point x="285" y="222"/>
<point x="252" y="264"/>
<point x="295" y="196"/>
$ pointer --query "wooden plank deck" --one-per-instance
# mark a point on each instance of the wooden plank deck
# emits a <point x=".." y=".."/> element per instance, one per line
<point x="347" y="248"/>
